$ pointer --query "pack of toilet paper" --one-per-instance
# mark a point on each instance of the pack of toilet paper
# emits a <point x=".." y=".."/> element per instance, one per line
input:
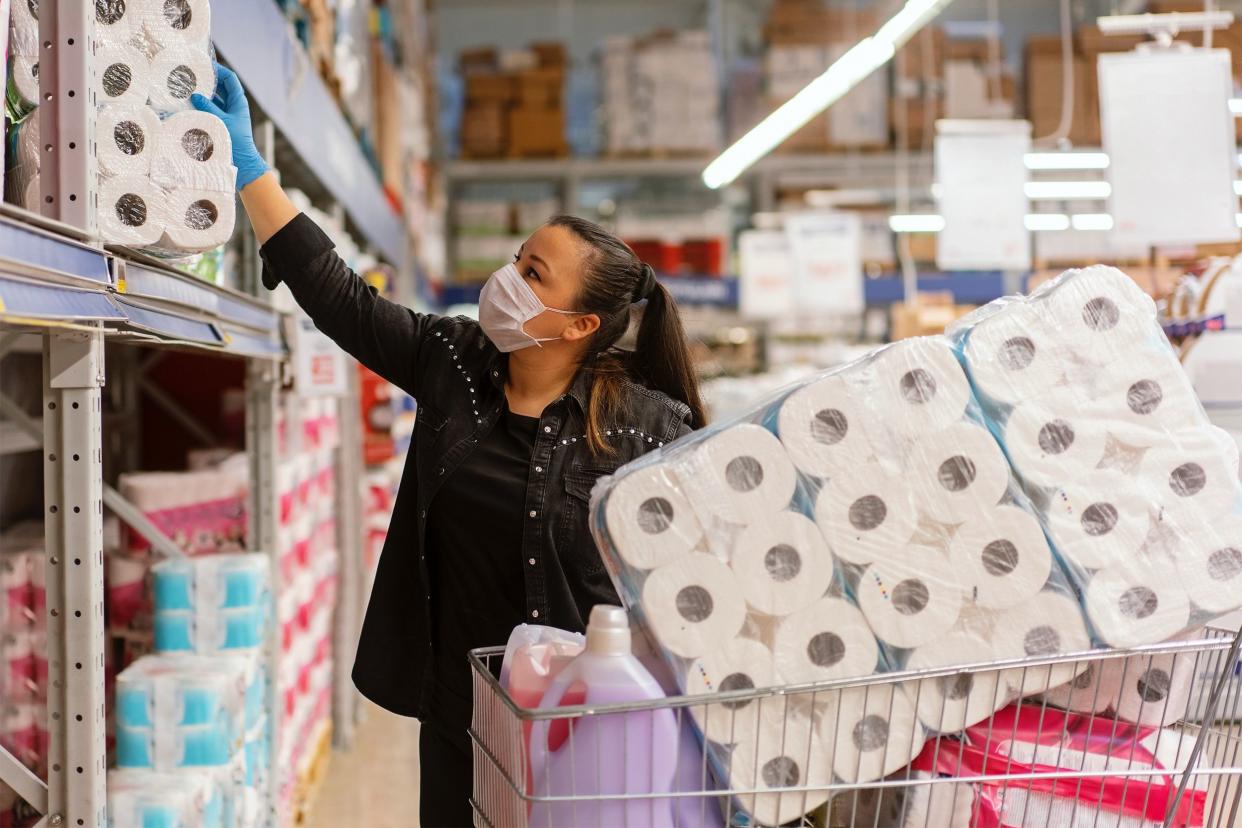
<point x="881" y="517"/>
<point x="212" y="604"/>
<point x="166" y="177"/>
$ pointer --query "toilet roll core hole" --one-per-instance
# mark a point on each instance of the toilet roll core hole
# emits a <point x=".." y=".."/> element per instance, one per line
<point x="201" y="215"/>
<point x="744" y="474"/>
<point x="694" y="604"/>
<point x="117" y="79"/>
<point x="957" y="473"/>
<point x="1144" y="396"/>
<point x="1017" y="353"/>
<point x="1099" y="519"/>
<point x="783" y="563"/>
<point x="1187" y="480"/>
<point x="131" y="210"/>
<point x="829" y="427"/>
<point x="1225" y="564"/>
<point x="918" y="386"/>
<point x="178" y="14"/>
<point x="825" y="649"/>
<point x="910" y="597"/>
<point x="655" y="515"/>
<point x="734" y="682"/>
<point x="33" y="5"/>
<point x="198" y="144"/>
<point x="1056" y="437"/>
<point x="781" y="772"/>
<point x="108" y="12"/>
<point x="870" y="733"/>
<point x="868" y="512"/>
<point x="1138" y="602"/>
<point x="1153" y="685"/>
<point x="129" y="138"/>
<point x="956" y="688"/>
<point x="1041" y="641"/>
<point x="1101" y="314"/>
<point x="1000" y="558"/>
<point x="182" y="81"/>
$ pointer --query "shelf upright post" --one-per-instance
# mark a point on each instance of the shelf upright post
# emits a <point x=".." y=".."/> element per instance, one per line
<point x="73" y="376"/>
<point x="348" y="617"/>
<point x="67" y="113"/>
<point x="262" y="400"/>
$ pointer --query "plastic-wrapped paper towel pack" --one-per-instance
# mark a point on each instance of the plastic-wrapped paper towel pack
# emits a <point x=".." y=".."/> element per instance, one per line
<point x="166" y="174"/>
<point x="869" y="521"/>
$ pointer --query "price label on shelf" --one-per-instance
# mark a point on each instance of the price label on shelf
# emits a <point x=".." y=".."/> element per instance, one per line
<point x="319" y="365"/>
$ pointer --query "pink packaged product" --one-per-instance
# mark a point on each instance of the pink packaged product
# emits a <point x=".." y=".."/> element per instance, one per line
<point x="203" y="511"/>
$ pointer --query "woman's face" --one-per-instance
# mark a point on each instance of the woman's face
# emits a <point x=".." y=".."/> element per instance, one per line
<point x="551" y="264"/>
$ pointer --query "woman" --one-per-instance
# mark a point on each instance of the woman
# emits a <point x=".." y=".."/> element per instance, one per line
<point x="518" y="415"/>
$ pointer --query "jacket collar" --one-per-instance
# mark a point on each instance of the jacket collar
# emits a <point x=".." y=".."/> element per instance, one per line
<point x="579" y="389"/>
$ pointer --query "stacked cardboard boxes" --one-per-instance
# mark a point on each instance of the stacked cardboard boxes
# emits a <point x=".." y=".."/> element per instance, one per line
<point x="918" y="87"/>
<point x="515" y="105"/>
<point x="977" y="83"/>
<point x="1045" y="66"/>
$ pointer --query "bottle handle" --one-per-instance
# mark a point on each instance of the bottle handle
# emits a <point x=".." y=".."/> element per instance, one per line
<point x="539" y="731"/>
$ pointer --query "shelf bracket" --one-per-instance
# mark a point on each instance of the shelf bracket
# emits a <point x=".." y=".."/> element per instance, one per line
<point x="23" y="782"/>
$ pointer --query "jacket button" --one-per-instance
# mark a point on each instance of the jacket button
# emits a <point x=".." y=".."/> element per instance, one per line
<point x="423" y="513"/>
<point x="547" y="429"/>
<point x="442" y="470"/>
<point x="531" y="561"/>
<point x="533" y="613"/>
<point x="539" y="469"/>
<point x="532" y="513"/>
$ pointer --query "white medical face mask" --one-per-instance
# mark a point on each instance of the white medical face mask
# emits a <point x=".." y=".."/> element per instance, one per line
<point x="506" y="304"/>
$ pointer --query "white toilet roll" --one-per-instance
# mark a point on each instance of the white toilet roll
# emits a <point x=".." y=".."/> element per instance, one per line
<point x="123" y="76"/>
<point x="783" y="563"/>
<point x="194" y="150"/>
<point x="1013" y="357"/>
<point x="823" y="427"/>
<point x="919" y="386"/>
<point x="826" y="641"/>
<point x="1003" y="555"/>
<point x="694" y="605"/>
<point x="1154" y="393"/>
<point x="24" y="27"/>
<point x="957" y="472"/>
<point x="176" y="74"/>
<point x="132" y="211"/>
<point x="1228" y="447"/>
<point x="1190" y="478"/>
<point x="1154" y="690"/>
<point x="1209" y="564"/>
<point x="199" y="220"/>
<point x="1137" y="603"/>
<point x="649" y="520"/>
<point x="1047" y="625"/>
<point x="120" y="22"/>
<point x="1099" y="519"/>
<point x="908" y="605"/>
<point x="181" y="24"/>
<point x="1094" y="690"/>
<point x="947" y="704"/>
<point x="787" y="754"/>
<point x="871" y="731"/>
<point x="127" y="137"/>
<point x="32" y="193"/>
<point x="1100" y="313"/>
<point x="25" y="77"/>
<point x="742" y="664"/>
<point x="1049" y="444"/>
<point x="740" y="475"/>
<point x="865" y="513"/>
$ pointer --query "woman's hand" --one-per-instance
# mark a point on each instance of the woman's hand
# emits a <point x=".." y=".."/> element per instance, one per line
<point x="231" y="107"/>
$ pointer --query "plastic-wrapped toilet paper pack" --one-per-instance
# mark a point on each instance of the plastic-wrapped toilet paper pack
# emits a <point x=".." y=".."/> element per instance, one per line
<point x="1153" y="689"/>
<point x="787" y="752"/>
<point x="209" y="582"/>
<point x="143" y="798"/>
<point x="193" y="150"/>
<point x="1136" y="490"/>
<point x="127" y="138"/>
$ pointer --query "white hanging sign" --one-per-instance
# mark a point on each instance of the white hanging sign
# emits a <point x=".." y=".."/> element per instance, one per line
<point x="766" y="274"/>
<point x="1170" y="142"/>
<point x="319" y="365"/>
<point x="981" y="178"/>
<point x="827" y="251"/>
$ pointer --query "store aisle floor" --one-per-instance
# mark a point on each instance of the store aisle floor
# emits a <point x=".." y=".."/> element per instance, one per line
<point x="376" y="783"/>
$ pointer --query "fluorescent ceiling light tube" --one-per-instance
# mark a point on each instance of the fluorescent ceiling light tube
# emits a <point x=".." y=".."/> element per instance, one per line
<point x="1092" y="221"/>
<point x="1237" y="187"/>
<point x="1235" y="106"/>
<point x="1066" y="160"/>
<point x="844" y="74"/>
<point x="1239" y="219"/>
<point x="1042" y="190"/>
<point x="1047" y="221"/>
<point x="930" y="223"/>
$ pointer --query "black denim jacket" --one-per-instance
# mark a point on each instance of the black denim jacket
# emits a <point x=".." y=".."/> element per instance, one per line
<point x="457" y="377"/>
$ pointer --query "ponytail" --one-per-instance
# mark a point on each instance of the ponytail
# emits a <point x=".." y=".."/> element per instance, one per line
<point x="662" y="355"/>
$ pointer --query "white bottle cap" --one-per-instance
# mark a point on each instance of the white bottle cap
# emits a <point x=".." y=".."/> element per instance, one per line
<point x="608" y="631"/>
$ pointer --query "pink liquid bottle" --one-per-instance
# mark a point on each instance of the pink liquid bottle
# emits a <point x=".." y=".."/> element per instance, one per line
<point x="620" y="753"/>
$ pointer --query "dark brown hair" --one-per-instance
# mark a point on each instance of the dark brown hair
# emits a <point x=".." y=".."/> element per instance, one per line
<point x="615" y="279"/>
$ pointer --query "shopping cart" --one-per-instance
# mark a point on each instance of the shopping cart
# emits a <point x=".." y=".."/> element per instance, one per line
<point x="985" y="777"/>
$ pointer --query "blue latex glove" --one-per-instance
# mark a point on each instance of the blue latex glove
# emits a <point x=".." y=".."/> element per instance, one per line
<point x="230" y="105"/>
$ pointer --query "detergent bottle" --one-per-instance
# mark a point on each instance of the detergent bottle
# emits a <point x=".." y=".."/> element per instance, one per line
<point x="622" y="753"/>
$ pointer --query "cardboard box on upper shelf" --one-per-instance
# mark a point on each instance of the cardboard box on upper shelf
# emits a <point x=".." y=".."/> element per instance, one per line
<point x="1044" y="66"/>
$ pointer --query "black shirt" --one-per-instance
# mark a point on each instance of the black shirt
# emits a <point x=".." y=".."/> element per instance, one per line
<point x="474" y="548"/>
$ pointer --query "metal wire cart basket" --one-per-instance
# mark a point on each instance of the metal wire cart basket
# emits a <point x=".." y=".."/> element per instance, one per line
<point x="1058" y="758"/>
